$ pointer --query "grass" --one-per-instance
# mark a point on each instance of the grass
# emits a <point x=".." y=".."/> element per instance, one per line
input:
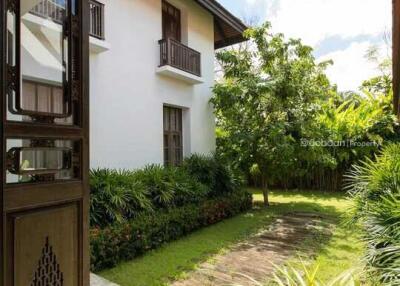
<point x="173" y="261"/>
<point x="341" y="253"/>
<point x="336" y="253"/>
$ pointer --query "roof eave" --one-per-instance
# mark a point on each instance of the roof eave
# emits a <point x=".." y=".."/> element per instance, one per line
<point x="220" y="13"/>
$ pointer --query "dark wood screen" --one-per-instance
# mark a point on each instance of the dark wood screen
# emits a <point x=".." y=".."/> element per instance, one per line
<point x="171" y="22"/>
<point x="44" y="139"/>
<point x="396" y="57"/>
<point x="173" y="151"/>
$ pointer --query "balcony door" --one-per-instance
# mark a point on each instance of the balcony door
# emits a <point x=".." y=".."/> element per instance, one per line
<point x="171" y="22"/>
<point x="44" y="137"/>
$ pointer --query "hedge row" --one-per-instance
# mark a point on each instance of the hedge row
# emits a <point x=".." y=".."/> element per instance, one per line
<point x="147" y="231"/>
<point x="119" y="195"/>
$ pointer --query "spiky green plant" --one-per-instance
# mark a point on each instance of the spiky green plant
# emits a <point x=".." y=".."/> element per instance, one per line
<point x="115" y="195"/>
<point x="291" y="276"/>
<point x="375" y="188"/>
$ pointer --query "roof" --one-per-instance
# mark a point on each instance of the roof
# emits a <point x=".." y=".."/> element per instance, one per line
<point x="228" y="29"/>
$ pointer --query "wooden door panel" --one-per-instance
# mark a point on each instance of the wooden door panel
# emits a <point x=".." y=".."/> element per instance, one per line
<point x="44" y="189"/>
<point x="45" y="246"/>
<point x="17" y="198"/>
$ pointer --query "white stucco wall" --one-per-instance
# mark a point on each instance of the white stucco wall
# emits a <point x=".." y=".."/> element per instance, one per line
<point x="127" y="96"/>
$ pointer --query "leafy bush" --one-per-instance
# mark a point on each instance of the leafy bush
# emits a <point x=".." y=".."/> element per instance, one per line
<point x="135" y="211"/>
<point x="170" y="187"/>
<point x="120" y="195"/>
<point x="375" y="187"/>
<point x="212" y="172"/>
<point x="148" y="231"/>
<point x="115" y="196"/>
<point x="357" y="128"/>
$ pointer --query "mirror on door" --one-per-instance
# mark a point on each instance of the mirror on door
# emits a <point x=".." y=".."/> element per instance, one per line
<point x="38" y="70"/>
<point x="33" y="160"/>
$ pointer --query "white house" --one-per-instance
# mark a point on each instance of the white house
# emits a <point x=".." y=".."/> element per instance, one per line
<point x="151" y="73"/>
<point x="134" y="85"/>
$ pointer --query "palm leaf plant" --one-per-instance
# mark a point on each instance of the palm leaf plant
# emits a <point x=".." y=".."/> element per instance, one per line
<point x="375" y="188"/>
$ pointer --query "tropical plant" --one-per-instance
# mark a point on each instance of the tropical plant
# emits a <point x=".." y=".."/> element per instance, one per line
<point x="284" y="125"/>
<point x="129" y="239"/>
<point x="116" y="195"/>
<point x="382" y="83"/>
<point x="291" y="276"/>
<point x="213" y="172"/>
<point x="375" y="187"/>
<point x="119" y="195"/>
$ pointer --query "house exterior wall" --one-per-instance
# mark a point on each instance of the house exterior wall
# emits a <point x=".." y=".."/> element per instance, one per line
<point x="127" y="95"/>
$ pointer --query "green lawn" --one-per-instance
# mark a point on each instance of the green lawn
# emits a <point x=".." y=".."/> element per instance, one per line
<point x="175" y="259"/>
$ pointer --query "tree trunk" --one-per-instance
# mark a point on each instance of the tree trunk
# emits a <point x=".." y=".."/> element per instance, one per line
<point x="265" y="190"/>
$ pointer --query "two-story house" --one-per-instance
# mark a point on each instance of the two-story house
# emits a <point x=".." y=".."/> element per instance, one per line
<point x="151" y="74"/>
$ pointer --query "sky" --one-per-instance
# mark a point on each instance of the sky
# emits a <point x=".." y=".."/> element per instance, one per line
<point x="340" y="30"/>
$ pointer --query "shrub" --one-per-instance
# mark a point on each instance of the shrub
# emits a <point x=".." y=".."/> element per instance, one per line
<point x="375" y="187"/>
<point x="212" y="172"/>
<point x="115" y="196"/>
<point x="169" y="187"/>
<point x="135" y="211"/>
<point x="129" y="239"/>
<point x="120" y="195"/>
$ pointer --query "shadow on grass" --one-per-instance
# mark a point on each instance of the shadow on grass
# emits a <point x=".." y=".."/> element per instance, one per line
<point x="173" y="260"/>
<point x="332" y="246"/>
<point x="307" y="194"/>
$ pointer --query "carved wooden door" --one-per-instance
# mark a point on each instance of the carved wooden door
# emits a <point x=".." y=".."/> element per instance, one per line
<point x="45" y="144"/>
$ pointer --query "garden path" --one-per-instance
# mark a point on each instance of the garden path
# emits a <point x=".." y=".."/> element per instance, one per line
<point x="99" y="281"/>
<point x="251" y="261"/>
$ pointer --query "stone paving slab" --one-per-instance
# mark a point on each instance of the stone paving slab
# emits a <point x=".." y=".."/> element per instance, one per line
<point x="252" y="261"/>
<point x="96" y="280"/>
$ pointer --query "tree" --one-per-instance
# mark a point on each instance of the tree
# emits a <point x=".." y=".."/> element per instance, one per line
<point x="382" y="83"/>
<point x="265" y="101"/>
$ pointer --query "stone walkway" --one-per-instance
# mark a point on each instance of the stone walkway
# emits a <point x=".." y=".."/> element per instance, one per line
<point x="251" y="262"/>
<point x="98" y="281"/>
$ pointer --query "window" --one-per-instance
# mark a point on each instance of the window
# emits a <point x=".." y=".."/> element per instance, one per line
<point x="173" y="151"/>
<point x="171" y="22"/>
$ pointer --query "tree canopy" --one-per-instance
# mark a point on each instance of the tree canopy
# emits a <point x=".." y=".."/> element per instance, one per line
<point x="274" y="96"/>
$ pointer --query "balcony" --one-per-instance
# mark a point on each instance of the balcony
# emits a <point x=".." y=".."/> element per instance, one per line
<point x="96" y="19"/>
<point x="54" y="10"/>
<point x="51" y="9"/>
<point x="179" y="61"/>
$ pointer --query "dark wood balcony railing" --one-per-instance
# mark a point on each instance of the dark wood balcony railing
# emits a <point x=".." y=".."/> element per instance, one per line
<point x="49" y="9"/>
<point x="96" y="19"/>
<point x="177" y="55"/>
